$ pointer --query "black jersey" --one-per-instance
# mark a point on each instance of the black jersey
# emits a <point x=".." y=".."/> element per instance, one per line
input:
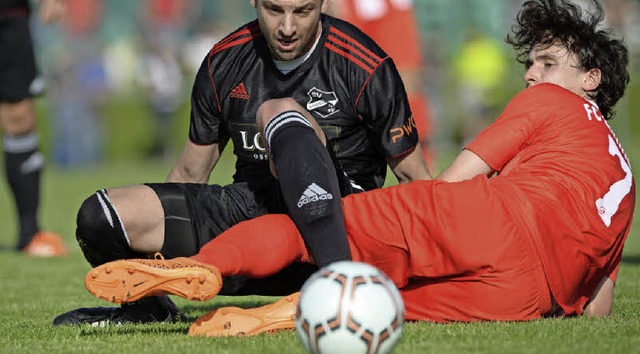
<point x="349" y="84"/>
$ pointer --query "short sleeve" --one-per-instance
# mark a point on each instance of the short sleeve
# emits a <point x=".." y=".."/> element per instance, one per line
<point x="384" y="107"/>
<point x="205" y="125"/>
<point x="510" y="132"/>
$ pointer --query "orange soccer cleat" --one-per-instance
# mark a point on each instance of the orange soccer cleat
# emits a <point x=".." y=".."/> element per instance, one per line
<point x="235" y="321"/>
<point x="46" y="244"/>
<point x="129" y="280"/>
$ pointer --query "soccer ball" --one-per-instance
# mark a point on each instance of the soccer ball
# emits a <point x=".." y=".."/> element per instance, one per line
<point x="349" y="307"/>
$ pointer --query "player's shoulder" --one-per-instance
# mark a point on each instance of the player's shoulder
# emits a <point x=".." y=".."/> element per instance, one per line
<point x="549" y="91"/>
<point x="549" y="96"/>
<point x="348" y="41"/>
<point x="237" y="42"/>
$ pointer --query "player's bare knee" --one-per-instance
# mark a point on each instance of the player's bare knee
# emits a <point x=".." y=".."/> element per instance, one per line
<point x="272" y="108"/>
<point x="142" y="215"/>
<point x="17" y="118"/>
<point x="99" y="230"/>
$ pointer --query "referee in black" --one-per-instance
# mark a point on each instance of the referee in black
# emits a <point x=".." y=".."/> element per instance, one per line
<point x="19" y="83"/>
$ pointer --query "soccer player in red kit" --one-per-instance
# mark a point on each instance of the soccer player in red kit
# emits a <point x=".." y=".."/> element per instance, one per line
<point x="388" y="21"/>
<point x="543" y="237"/>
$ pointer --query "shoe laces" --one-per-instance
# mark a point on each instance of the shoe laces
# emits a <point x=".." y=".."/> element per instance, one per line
<point x="181" y="262"/>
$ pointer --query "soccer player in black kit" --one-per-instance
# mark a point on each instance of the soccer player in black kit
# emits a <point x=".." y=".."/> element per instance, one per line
<point x="19" y="83"/>
<point x="315" y="111"/>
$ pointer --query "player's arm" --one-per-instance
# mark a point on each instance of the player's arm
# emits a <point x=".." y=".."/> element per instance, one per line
<point x="195" y="163"/>
<point x="205" y="143"/>
<point x="601" y="301"/>
<point x="465" y="166"/>
<point x="384" y="107"/>
<point x="409" y="167"/>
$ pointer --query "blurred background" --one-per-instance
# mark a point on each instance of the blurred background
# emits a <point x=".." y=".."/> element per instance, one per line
<point x="119" y="72"/>
<point x="119" y="76"/>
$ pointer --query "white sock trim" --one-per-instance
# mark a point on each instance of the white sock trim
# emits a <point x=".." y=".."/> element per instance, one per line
<point x="21" y="143"/>
<point x="278" y="121"/>
<point x="104" y="199"/>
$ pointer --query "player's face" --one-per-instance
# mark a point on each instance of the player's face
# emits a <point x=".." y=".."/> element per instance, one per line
<point x="290" y="27"/>
<point x="557" y="65"/>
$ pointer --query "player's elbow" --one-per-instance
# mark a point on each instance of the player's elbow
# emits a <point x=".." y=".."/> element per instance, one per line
<point x="601" y="301"/>
<point x="598" y="310"/>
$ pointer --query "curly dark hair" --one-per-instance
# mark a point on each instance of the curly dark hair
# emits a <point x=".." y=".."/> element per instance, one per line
<point x="545" y="22"/>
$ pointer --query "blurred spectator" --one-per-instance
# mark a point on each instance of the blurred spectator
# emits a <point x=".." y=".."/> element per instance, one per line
<point x="78" y="87"/>
<point x="163" y="29"/>
<point x="204" y="34"/>
<point x="623" y="16"/>
<point x="391" y="23"/>
<point x="479" y="70"/>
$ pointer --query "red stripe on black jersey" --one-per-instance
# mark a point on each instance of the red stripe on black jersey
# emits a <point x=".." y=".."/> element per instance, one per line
<point x="247" y="34"/>
<point x="341" y="43"/>
<point x="364" y="66"/>
<point x="240" y="37"/>
<point x="213" y="84"/>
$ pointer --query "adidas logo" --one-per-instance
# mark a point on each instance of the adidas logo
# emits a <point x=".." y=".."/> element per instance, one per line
<point x="240" y="92"/>
<point x="312" y="194"/>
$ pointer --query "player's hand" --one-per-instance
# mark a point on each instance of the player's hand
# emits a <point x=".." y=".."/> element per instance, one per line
<point x="51" y="10"/>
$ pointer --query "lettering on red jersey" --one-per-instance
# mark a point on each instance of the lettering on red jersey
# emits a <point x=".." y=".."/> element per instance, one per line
<point x="608" y="205"/>
<point x="593" y="112"/>
<point x="610" y="202"/>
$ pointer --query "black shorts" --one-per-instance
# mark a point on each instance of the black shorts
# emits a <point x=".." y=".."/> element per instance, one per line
<point x="17" y="59"/>
<point x="195" y="214"/>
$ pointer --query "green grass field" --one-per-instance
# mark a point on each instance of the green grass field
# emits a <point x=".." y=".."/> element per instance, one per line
<point x="35" y="290"/>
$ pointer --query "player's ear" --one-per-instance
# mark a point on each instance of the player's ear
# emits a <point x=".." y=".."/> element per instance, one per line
<point x="592" y="80"/>
<point x="324" y="5"/>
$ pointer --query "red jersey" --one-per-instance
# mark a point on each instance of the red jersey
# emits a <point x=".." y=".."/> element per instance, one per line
<point x="391" y="24"/>
<point x="568" y="183"/>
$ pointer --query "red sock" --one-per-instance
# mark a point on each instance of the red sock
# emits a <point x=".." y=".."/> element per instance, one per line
<point x="256" y="248"/>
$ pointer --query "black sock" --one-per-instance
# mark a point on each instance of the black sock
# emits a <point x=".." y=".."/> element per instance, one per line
<point x="309" y="185"/>
<point x="23" y="163"/>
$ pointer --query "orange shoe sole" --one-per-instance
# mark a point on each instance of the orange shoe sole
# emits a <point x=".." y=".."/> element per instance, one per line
<point x="128" y="280"/>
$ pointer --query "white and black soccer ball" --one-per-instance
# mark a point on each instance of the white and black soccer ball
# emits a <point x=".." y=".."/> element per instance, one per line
<point x="349" y="307"/>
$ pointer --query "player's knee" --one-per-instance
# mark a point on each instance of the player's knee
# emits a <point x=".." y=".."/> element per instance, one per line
<point x="18" y="118"/>
<point x="272" y="108"/>
<point x="99" y="231"/>
<point x="90" y="216"/>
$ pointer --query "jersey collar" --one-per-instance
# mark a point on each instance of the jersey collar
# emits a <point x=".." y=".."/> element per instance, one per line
<point x="287" y="66"/>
